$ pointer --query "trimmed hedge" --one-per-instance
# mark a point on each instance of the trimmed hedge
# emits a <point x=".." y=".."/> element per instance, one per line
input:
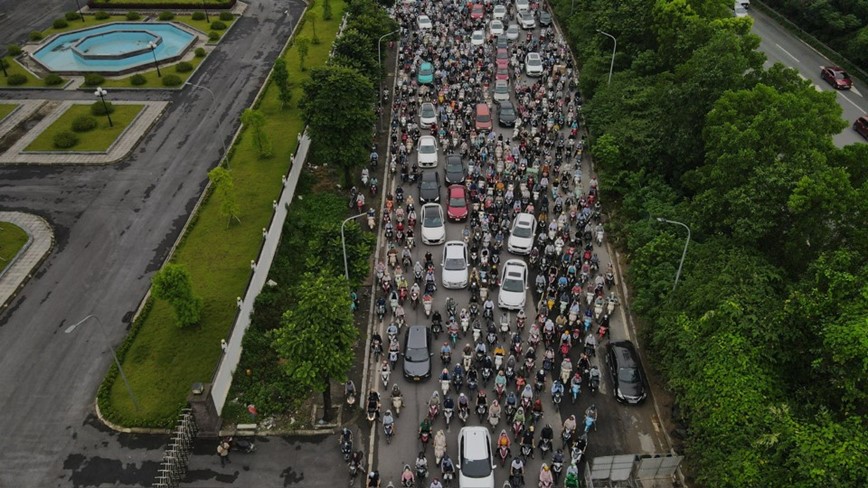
<point x="16" y="79"/>
<point x="218" y="25"/>
<point x="198" y="16"/>
<point x="83" y="123"/>
<point x="183" y="67"/>
<point x="226" y="16"/>
<point x="138" y="79"/>
<point x="101" y="15"/>
<point x="200" y="52"/>
<point x="167" y="15"/>
<point x="133" y="15"/>
<point x="214" y="36"/>
<point x="35" y="36"/>
<point x="60" y="24"/>
<point x="93" y="79"/>
<point x="65" y="140"/>
<point x="171" y="80"/>
<point x="71" y="16"/>
<point x="13" y="49"/>
<point x="98" y="108"/>
<point x="52" y="80"/>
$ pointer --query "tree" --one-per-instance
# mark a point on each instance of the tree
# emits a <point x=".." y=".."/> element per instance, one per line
<point x="281" y="79"/>
<point x="256" y="121"/>
<point x="326" y="10"/>
<point x="352" y="49"/>
<point x="172" y="283"/>
<point x="303" y="45"/>
<point x="315" y="339"/>
<point x="224" y="187"/>
<point x="311" y="16"/>
<point x="338" y="108"/>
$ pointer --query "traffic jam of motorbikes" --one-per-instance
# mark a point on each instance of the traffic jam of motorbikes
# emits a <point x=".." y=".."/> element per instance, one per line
<point x="495" y="291"/>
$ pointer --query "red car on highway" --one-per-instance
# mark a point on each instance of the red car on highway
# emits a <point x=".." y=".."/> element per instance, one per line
<point x="483" y="117"/>
<point x="477" y="11"/>
<point x="861" y="126"/>
<point x="502" y="58"/>
<point x="456" y="203"/>
<point x="836" y="77"/>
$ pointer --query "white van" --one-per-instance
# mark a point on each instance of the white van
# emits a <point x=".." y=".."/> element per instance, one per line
<point x="522" y="5"/>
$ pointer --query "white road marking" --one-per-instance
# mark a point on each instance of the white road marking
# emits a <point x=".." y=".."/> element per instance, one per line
<point x="851" y="101"/>
<point x="787" y="53"/>
<point x="854" y="90"/>
<point x="812" y="48"/>
<point x="802" y="76"/>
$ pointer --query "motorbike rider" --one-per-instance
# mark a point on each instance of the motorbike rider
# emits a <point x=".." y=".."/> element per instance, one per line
<point x="389" y="420"/>
<point x="374" y="404"/>
<point x="547" y="434"/>
<point x="463" y="403"/>
<point x="425" y="427"/>
<point x="516" y="468"/>
<point x="435" y="483"/>
<point x="445" y="350"/>
<point x="447" y="466"/>
<point x="349" y="388"/>
<point x="527" y="439"/>
<point x="374" y="479"/>
<point x="481" y="400"/>
<point x="570" y="423"/>
<point x="584" y="363"/>
<point x="421" y="462"/>
<point x="494" y="410"/>
<point x="545" y="476"/>
<point x="557" y="388"/>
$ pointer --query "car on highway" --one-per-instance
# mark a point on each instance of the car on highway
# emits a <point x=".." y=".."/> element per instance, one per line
<point x="501" y="58"/>
<point x="513" y="285"/>
<point x="454" y="174"/>
<point x="456" y="203"/>
<point x="545" y="18"/>
<point x="533" y="64"/>
<point x="427" y="152"/>
<point x="482" y="119"/>
<point x="429" y="187"/>
<point x="837" y="77"/>
<point x="501" y="74"/>
<point x="417" y="353"/>
<point x="424" y="22"/>
<point x="426" y="73"/>
<point x="628" y="381"/>
<point x="526" y="20"/>
<point x="512" y="32"/>
<point x="739" y="10"/>
<point x="495" y="27"/>
<point x="499" y="12"/>
<point x="475" y="458"/>
<point x="501" y="42"/>
<point x="522" y="234"/>
<point x="501" y="90"/>
<point x="477" y="38"/>
<point x="433" y="225"/>
<point x="477" y="11"/>
<point x="860" y="125"/>
<point x="522" y="5"/>
<point x="454" y="274"/>
<point x="506" y="115"/>
<point x="427" y="115"/>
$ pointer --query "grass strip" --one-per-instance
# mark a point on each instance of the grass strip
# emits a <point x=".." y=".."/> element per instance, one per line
<point x="157" y="3"/>
<point x="152" y="80"/>
<point x="89" y="21"/>
<point x="161" y="360"/>
<point x="6" y="109"/>
<point x="205" y="25"/>
<point x="12" y="239"/>
<point x="15" y="68"/>
<point x="98" y="139"/>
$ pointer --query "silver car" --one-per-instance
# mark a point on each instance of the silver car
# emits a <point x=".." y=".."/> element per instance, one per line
<point x="455" y="265"/>
<point x="427" y="115"/>
<point x="512" y="32"/>
<point x="501" y="91"/>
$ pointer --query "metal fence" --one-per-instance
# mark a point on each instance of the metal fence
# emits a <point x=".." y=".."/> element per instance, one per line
<point x="177" y="454"/>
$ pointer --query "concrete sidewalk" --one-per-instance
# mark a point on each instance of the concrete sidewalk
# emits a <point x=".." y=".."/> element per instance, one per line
<point x="40" y="242"/>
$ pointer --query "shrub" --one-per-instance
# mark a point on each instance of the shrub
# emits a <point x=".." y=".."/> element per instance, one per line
<point x="65" y="139"/>
<point x="214" y="36"/>
<point x="13" y="49"/>
<point x="71" y="16"/>
<point x="35" y="36"/>
<point x="84" y="123"/>
<point x="60" y="24"/>
<point x="183" y="67"/>
<point x="198" y="16"/>
<point x="138" y="80"/>
<point x="217" y="25"/>
<point x="133" y="15"/>
<point x="98" y="108"/>
<point x="200" y="52"/>
<point x="171" y="80"/>
<point x="166" y="15"/>
<point x="101" y="15"/>
<point x="226" y="16"/>
<point x="93" y="79"/>
<point x="52" y="80"/>
<point x="16" y="79"/>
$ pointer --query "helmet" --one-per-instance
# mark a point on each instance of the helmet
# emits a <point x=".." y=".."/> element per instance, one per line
<point x="482" y="393"/>
<point x="388" y="412"/>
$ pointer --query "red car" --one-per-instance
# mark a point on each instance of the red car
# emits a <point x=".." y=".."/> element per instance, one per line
<point x="456" y="204"/>
<point x="483" y="117"/>
<point x="502" y="58"/>
<point x="477" y="11"/>
<point x="836" y="77"/>
<point x="861" y="126"/>
<point x="501" y="74"/>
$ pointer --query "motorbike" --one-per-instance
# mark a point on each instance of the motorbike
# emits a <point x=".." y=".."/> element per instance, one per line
<point x="444" y="387"/>
<point x="389" y="431"/>
<point x="436" y="329"/>
<point x="427" y="301"/>
<point x="372" y="222"/>
<point x="381" y="310"/>
<point x="447" y="414"/>
<point x="397" y="403"/>
<point x="594" y="379"/>
<point x="346" y="444"/>
<point x="446" y="357"/>
<point x="526" y="450"/>
<point x="545" y="445"/>
<point x="439" y="446"/>
<point x="481" y="410"/>
<point x="463" y="414"/>
<point x="408" y="479"/>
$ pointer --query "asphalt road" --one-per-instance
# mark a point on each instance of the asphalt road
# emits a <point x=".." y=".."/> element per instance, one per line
<point x="20" y="19"/>
<point x="114" y="226"/>
<point x="781" y="46"/>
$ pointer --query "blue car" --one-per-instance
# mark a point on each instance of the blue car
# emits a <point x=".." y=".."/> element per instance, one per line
<point x="426" y="74"/>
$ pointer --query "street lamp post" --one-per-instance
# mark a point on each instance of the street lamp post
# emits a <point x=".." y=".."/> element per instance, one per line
<point x="3" y="65"/>
<point x="205" y="9"/>
<point x="101" y="94"/>
<point x="683" y="254"/>
<point x="213" y="102"/>
<point x="344" y="244"/>
<point x="72" y="327"/>
<point x="380" y="64"/>
<point x="614" y="48"/>
<point x="153" y="46"/>
<point x="79" y="10"/>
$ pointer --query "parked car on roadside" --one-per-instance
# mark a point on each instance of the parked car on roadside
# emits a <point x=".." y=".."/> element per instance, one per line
<point x="628" y="380"/>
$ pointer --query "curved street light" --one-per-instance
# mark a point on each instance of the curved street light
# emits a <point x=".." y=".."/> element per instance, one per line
<point x="101" y="93"/>
<point x="153" y="47"/>
<point x="614" y="48"/>
<point x="683" y="254"/>
<point x="344" y="243"/>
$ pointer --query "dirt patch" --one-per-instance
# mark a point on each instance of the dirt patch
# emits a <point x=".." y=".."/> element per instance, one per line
<point x="18" y="131"/>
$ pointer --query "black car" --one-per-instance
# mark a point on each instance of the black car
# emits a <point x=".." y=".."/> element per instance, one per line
<point x="628" y="381"/>
<point x="454" y="173"/>
<point x="545" y="18"/>
<point x="417" y="353"/>
<point x="502" y="42"/>
<point x="429" y="187"/>
<point x="507" y="114"/>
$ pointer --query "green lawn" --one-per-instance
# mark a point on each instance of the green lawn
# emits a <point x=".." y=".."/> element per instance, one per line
<point x="89" y="21"/>
<point x="162" y="361"/>
<point x="154" y="81"/>
<point x="16" y="68"/>
<point x="12" y="239"/>
<point x="205" y="25"/>
<point x="98" y="139"/>
<point x="6" y="109"/>
<point x="120" y="3"/>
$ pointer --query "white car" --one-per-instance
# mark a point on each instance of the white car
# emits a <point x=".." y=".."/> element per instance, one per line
<point x="427" y="115"/>
<point x="427" y="152"/>
<point x="522" y="234"/>
<point x="433" y="225"/>
<point x="513" y="284"/>
<point x="533" y="64"/>
<point x="499" y="12"/>
<point x="477" y="38"/>
<point x="495" y="27"/>
<point x="522" y="5"/>
<point x="512" y="32"/>
<point x="526" y="19"/>
<point x="475" y="458"/>
<point x="454" y="265"/>
<point x="424" y="22"/>
<point x="501" y="91"/>
<point x="740" y="9"/>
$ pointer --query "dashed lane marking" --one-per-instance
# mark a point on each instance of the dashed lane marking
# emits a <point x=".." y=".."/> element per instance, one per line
<point x="787" y="53"/>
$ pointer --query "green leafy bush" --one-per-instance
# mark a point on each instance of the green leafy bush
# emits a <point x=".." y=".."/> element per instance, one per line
<point x="218" y="25"/>
<point x="200" y="52"/>
<point x="60" y="24"/>
<point x="84" y="123"/>
<point x="214" y="36"/>
<point x="52" y="80"/>
<point x="93" y="79"/>
<point x="13" y="49"/>
<point x="138" y="80"/>
<point x="226" y="16"/>
<point x="70" y="16"/>
<point x="99" y="108"/>
<point x="101" y="15"/>
<point x="198" y="16"/>
<point x="167" y="15"/>
<point x="133" y="15"/>
<point x="65" y="140"/>
<point x="171" y="80"/>
<point x="35" y="36"/>
<point x="183" y="67"/>
<point x="16" y="79"/>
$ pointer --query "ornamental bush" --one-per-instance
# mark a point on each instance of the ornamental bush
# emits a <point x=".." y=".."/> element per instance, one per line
<point x="70" y="16"/>
<point x="60" y="24"/>
<point x="52" y="80"/>
<point x="214" y="36"/>
<point x="218" y="25"/>
<point x="13" y="49"/>
<point x="101" y="15"/>
<point x="65" y="140"/>
<point x="200" y="52"/>
<point x="133" y="15"/>
<point x="171" y="80"/>
<point x="83" y="123"/>
<point x="98" y="108"/>
<point x="226" y="16"/>
<point x="198" y="16"/>
<point x="35" y="36"/>
<point x="16" y="79"/>
<point x="166" y="15"/>
<point x="93" y="79"/>
<point x="138" y="80"/>
<point x="183" y="67"/>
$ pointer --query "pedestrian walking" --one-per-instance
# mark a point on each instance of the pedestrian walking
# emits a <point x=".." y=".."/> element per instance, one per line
<point x="223" y="452"/>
